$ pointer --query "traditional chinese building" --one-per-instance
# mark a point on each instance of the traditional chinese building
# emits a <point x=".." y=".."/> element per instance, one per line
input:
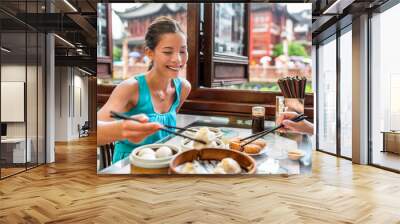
<point x="267" y="24"/>
<point x="136" y="21"/>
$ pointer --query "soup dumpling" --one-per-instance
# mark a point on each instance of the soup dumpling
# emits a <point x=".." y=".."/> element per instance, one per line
<point x="188" y="168"/>
<point x="163" y="152"/>
<point x="145" y="151"/>
<point x="206" y="135"/>
<point x="229" y="165"/>
<point x="149" y="156"/>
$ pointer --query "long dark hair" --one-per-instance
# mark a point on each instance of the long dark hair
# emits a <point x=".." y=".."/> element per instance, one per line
<point x="157" y="28"/>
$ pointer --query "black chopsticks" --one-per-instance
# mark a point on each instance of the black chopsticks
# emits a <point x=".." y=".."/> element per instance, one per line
<point x="125" y="117"/>
<point x="263" y="133"/>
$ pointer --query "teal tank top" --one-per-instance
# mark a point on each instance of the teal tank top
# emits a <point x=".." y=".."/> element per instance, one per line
<point x="145" y="106"/>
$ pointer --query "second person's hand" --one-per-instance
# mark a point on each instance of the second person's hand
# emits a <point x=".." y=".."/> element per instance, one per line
<point x="303" y="126"/>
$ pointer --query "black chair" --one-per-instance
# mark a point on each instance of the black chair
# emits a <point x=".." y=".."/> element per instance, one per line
<point x="106" y="153"/>
<point x="84" y="130"/>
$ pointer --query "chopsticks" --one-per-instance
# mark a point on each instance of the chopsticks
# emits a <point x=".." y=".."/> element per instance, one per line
<point x="182" y="129"/>
<point x="263" y="133"/>
<point x="293" y="87"/>
<point x="125" y="117"/>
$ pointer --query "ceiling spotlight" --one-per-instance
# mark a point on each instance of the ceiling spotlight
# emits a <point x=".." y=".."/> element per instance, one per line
<point x="5" y="50"/>
<point x="86" y="72"/>
<point x="64" y="40"/>
<point x="70" y="5"/>
<point x="337" y="7"/>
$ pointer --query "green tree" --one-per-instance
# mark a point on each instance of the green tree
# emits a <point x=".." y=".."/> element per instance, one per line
<point x="117" y="53"/>
<point x="295" y="49"/>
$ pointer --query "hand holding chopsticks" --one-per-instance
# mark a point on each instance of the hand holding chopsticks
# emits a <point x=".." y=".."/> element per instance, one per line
<point x="263" y="133"/>
<point x="125" y="117"/>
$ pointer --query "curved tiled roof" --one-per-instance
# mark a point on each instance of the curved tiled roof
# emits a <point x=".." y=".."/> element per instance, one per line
<point x="148" y="9"/>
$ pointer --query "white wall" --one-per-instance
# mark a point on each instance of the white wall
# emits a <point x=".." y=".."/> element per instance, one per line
<point x="13" y="73"/>
<point x="71" y="94"/>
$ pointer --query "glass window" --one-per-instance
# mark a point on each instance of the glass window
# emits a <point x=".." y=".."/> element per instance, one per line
<point x="385" y="84"/>
<point x="229" y="27"/>
<point x="279" y="44"/>
<point x="102" y="30"/>
<point x="327" y="96"/>
<point x="346" y="94"/>
<point x="22" y="91"/>
<point x="13" y="81"/>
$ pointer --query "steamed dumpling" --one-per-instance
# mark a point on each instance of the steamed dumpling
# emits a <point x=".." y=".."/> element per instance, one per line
<point x="188" y="168"/>
<point x="206" y="135"/>
<point x="150" y="156"/>
<point x="229" y="166"/>
<point x="163" y="152"/>
<point x="198" y="145"/>
<point x="146" y="151"/>
<point x="219" y="170"/>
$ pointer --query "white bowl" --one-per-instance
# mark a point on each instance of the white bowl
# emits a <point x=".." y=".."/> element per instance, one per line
<point x="152" y="163"/>
<point x="295" y="154"/>
<point x="187" y="144"/>
<point x="147" y="165"/>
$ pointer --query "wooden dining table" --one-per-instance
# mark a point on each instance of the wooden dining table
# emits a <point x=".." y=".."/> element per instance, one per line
<point x="274" y="160"/>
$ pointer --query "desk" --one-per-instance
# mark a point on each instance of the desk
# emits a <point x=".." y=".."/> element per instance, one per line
<point x="391" y="141"/>
<point x="13" y="150"/>
<point x="271" y="162"/>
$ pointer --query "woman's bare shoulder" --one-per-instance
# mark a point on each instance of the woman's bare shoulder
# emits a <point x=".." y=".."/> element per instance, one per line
<point x="185" y="83"/>
<point x="127" y="86"/>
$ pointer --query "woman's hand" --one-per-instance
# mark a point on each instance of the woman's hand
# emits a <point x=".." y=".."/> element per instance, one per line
<point x="136" y="132"/>
<point x="110" y="131"/>
<point x="303" y="126"/>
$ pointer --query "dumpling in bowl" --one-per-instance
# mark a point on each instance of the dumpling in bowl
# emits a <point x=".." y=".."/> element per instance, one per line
<point x="206" y="135"/>
<point x="149" y="156"/>
<point x="188" y="168"/>
<point x="228" y="166"/>
<point x="145" y="151"/>
<point x="163" y="152"/>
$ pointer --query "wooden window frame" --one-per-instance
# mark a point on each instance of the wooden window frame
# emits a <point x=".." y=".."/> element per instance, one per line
<point x="104" y="63"/>
<point x="209" y="101"/>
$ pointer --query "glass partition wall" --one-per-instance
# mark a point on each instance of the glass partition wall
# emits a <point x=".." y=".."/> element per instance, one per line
<point x="22" y="87"/>
<point x="334" y="99"/>
<point x="385" y="89"/>
<point x="326" y="140"/>
<point x="346" y="92"/>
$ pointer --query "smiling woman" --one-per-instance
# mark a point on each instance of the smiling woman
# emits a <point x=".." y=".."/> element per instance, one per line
<point x="157" y="93"/>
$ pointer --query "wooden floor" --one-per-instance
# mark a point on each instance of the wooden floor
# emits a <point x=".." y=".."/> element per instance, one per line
<point x="10" y="171"/>
<point x="69" y="191"/>
<point x="387" y="159"/>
